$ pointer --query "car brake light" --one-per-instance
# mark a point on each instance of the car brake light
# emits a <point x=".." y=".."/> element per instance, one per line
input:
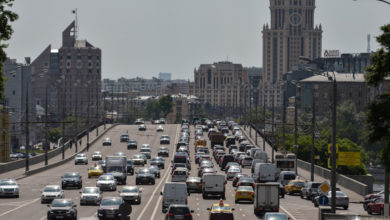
<point x="169" y="214"/>
<point x="186" y="201"/>
<point x="253" y="184"/>
<point x="252" y="194"/>
<point x="187" y="215"/>
<point x="239" y="184"/>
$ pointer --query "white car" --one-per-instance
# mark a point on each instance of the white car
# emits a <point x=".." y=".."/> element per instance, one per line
<point x="90" y="195"/>
<point x="160" y="128"/>
<point x="81" y="158"/>
<point x="9" y="187"/>
<point x="131" y="194"/>
<point x="97" y="155"/>
<point x="106" y="182"/>
<point x="51" y="192"/>
<point x="145" y="146"/>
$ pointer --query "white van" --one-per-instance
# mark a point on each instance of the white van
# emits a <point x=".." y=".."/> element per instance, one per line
<point x="286" y="176"/>
<point x="254" y="162"/>
<point x="254" y="150"/>
<point x="174" y="193"/>
<point x="262" y="155"/>
<point x="265" y="172"/>
<point x="213" y="184"/>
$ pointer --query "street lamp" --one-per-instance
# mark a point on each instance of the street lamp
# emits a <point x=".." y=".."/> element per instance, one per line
<point x="333" y="150"/>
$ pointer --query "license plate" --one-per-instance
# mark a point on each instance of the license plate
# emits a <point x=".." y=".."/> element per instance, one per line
<point x="244" y="194"/>
<point x="110" y="216"/>
<point x="60" y="216"/>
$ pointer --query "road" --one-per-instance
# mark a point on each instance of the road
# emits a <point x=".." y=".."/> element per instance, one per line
<point x="28" y="206"/>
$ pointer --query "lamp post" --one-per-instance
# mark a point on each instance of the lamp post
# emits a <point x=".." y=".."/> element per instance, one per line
<point x="27" y="130"/>
<point x="264" y="108"/>
<point x="333" y="149"/>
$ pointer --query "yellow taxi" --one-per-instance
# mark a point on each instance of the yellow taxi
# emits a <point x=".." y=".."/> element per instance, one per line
<point x="95" y="171"/>
<point x="294" y="186"/>
<point x="221" y="211"/>
<point x="244" y="193"/>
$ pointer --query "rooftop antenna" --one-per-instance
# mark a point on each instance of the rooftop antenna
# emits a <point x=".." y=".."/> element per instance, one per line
<point x="368" y="43"/>
<point x="76" y="28"/>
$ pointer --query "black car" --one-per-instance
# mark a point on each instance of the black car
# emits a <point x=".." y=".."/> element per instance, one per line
<point x="177" y="211"/>
<point x="131" y="144"/>
<point x="237" y="177"/>
<point x="158" y="161"/>
<point x="144" y="176"/>
<point x="71" y="179"/>
<point x="246" y="181"/>
<point x="163" y="152"/>
<point x="62" y="208"/>
<point x="130" y="167"/>
<point x="124" y="138"/>
<point x="109" y="208"/>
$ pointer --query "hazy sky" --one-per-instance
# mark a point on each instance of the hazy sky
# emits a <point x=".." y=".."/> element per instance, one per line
<point x="145" y="37"/>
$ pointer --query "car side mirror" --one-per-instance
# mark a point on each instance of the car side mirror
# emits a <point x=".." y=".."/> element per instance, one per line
<point x="161" y="193"/>
<point x="80" y="192"/>
<point x="233" y="209"/>
<point x="101" y="192"/>
<point x="119" y="191"/>
<point x="48" y="205"/>
<point x="74" y="206"/>
<point x="208" y="209"/>
<point x="192" y="211"/>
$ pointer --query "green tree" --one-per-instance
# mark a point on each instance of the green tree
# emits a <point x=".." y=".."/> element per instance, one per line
<point x="54" y="134"/>
<point x="153" y="109"/>
<point x="166" y="104"/>
<point x="378" y="115"/>
<point x="6" y="16"/>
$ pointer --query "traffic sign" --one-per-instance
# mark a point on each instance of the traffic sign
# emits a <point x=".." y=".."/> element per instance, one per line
<point x="323" y="200"/>
<point x="330" y="148"/>
<point x="324" y="188"/>
<point x="330" y="164"/>
<point x="348" y="159"/>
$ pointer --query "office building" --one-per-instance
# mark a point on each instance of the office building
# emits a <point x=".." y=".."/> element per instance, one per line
<point x="165" y="76"/>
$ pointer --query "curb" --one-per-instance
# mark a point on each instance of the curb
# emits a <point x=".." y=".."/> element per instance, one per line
<point x="35" y="171"/>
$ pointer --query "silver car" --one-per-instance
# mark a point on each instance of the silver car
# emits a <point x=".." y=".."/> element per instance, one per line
<point x="131" y="194"/>
<point x="9" y="187"/>
<point x="81" y="158"/>
<point x="147" y="152"/>
<point x="90" y="195"/>
<point x="51" y="192"/>
<point x="342" y="200"/>
<point x="106" y="182"/>
<point x="160" y="128"/>
<point x="232" y="171"/>
<point x="97" y="155"/>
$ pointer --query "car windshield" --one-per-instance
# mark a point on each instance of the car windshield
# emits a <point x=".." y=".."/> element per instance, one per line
<point x="130" y="190"/>
<point x="193" y="179"/>
<point x="137" y="157"/>
<point x="289" y="176"/>
<point x="97" y="153"/>
<point x="95" y="168"/>
<point x="81" y="155"/>
<point x="145" y="150"/>
<point x="179" y="172"/>
<point x="52" y="189"/>
<point x="299" y="184"/>
<point x="61" y="203"/>
<point x="315" y="185"/>
<point x="71" y="175"/>
<point x="129" y="162"/>
<point x="8" y="183"/>
<point x="91" y="190"/>
<point x="245" y="188"/>
<point x="111" y="202"/>
<point x="144" y="171"/>
<point x="179" y="210"/>
<point x="338" y="193"/>
<point x="106" y="177"/>
<point x="234" y="169"/>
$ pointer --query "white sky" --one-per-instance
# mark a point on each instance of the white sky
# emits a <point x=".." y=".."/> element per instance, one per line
<point x="145" y="37"/>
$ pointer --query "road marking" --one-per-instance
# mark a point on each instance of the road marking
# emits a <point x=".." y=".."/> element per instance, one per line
<point x="158" y="186"/>
<point x="288" y="213"/>
<point x="43" y="218"/>
<point x="21" y="206"/>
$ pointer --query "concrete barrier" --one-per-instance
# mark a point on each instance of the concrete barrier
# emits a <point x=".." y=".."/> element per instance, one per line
<point x="13" y="165"/>
<point x="32" y="172"/>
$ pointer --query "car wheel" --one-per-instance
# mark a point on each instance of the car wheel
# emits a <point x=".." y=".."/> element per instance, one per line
<point x="369" y="210"/>
<point x="136" y="182"/>
<point x="203" y="195"/>
<point x="345" y="207"/>
<point x="153" y="182"/>
<point x="139" y="201"/>
<point x="282" y="196"/>
<point x="382" y="212"/>
<point x="236" y="201"/>
<point x="315" y="204"/>
<point x="301" y="195"/>
<point x="223" y="196"/>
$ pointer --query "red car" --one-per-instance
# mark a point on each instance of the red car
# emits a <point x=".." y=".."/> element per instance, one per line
<point x="376" y="206"/>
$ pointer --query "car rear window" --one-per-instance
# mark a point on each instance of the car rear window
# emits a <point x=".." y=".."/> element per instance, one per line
<point x="179" y="210"/>
<point x="177" y="172"/>
<point x="299" y="184"/>
<point x="315" y="185"/>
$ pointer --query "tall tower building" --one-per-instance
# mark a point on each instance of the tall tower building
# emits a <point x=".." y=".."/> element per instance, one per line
<point x="290" y="35"/>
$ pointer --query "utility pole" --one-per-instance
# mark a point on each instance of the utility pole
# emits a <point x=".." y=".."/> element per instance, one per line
<point x="257" y="103"/>
<point x="250" y="110"/>
<point x="334" y="156"/>
<point x="104" y="110"/>
<point x="273" y="123"/>
<point x="76" y="119"/>
<point x="97" y="113"/>
<point x="313" y="126"/>
<point x="27" y="132"/>
<point x="63" y="123"/>
<point x="296" y="131"/>
<point x="47" y="144"/>
<point x="264" y="108"/>
<point x="112" y="104"/>
<point x="284" y="115"/>
<point x="89" y="103"/>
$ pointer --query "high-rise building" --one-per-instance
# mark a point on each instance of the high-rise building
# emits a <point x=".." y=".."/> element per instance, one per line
<point x="68" y="81"/>
<point x="290" y="35"/>
<point x="165" y="76"/>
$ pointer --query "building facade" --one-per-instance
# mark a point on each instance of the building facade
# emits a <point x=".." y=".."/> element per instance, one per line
<point x="348" y="62"/>
<point x="290" y="34"/>
<point x="67" y="81"/>
<point x="222" y="85"/>
<point x="254" y="77"/>
<point x="165" y="76"/>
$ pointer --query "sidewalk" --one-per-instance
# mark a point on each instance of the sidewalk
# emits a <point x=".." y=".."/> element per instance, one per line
<point x="20" y="173"/>
<point x="353" y="197"/>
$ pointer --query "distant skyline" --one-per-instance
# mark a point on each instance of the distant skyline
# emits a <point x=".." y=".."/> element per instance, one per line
<point x="143" y="38"/>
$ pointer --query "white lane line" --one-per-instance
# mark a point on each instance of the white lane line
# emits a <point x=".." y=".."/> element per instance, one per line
<point x="21" y="206"/>
<point x="43" y="218"/>
<point x="158" y="186"/>
<point x="288" y="213"/>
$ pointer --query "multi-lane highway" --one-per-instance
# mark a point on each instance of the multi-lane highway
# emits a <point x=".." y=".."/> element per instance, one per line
<point x="28" y="206"/>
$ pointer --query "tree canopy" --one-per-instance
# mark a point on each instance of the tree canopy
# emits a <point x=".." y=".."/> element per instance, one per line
<point x="378" y="116"/>
<point x="6" y="16"/>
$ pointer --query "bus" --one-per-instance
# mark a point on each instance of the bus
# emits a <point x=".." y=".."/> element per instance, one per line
<point x="285" y="162"/>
